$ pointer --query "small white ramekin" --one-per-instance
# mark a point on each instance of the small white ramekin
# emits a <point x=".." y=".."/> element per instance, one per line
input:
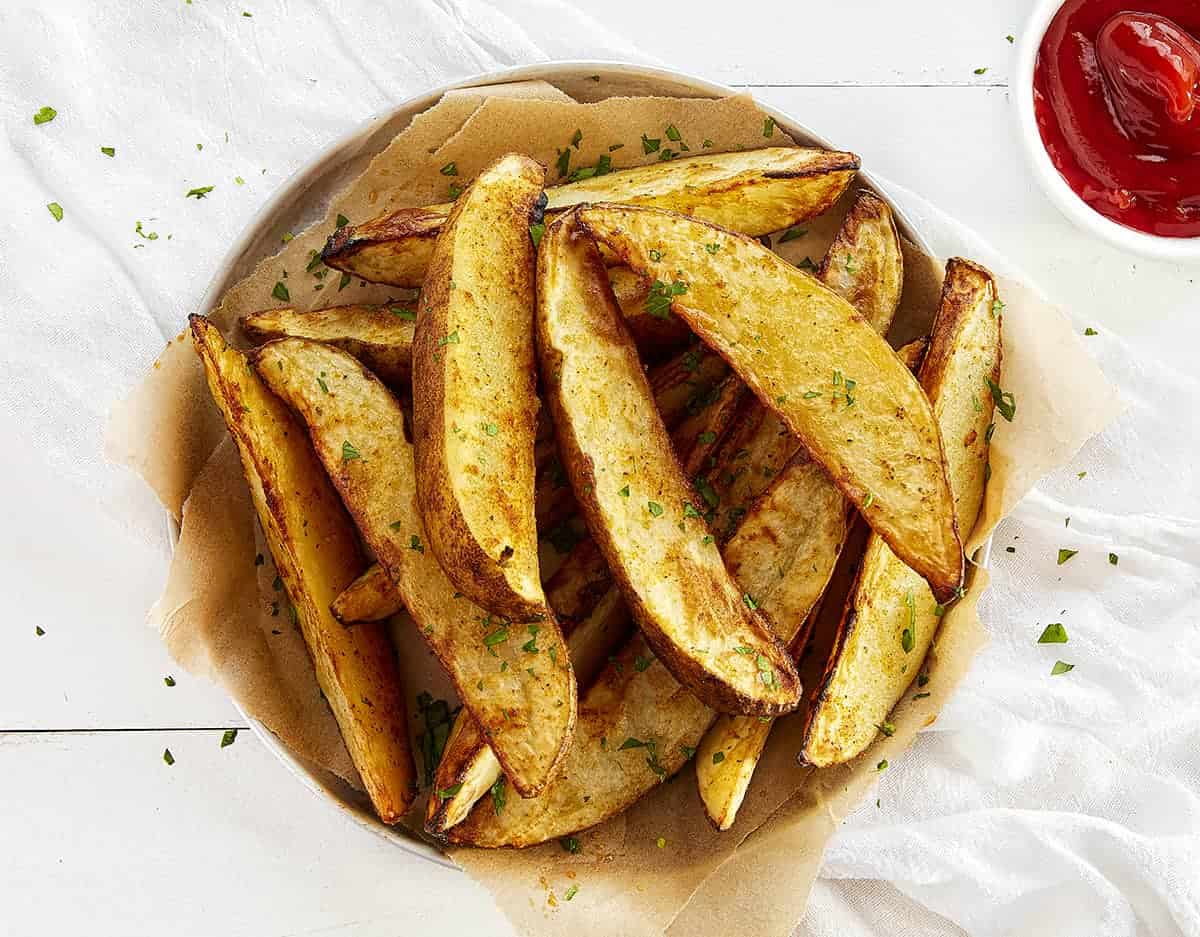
<point x="1180" y="250"/>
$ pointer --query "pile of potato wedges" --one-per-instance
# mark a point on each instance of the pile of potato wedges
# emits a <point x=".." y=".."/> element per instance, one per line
<point x="622" y="357"/>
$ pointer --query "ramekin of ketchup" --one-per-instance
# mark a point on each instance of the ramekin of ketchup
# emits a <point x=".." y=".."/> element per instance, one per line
<point x="1113" y="104"/>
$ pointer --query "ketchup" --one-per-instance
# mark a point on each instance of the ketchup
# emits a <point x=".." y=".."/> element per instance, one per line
<point x="1117" y="99"/>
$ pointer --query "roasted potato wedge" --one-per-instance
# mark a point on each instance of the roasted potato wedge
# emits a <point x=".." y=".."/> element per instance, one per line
<point x="380" y="337"/>
<point x="831" y="378"/>
<point x="865" y="264"/>
<point x="317" y="554"/>
<point x="785" y="553"/>
<point x="753" y="191"/>
<point x="639" y="505"/>
<point x="371" y="597"/>
<point x="891" y="616"/>
<point x="593" y="617"/>
<point x="474" y="396"/>
<point x="516" y="681"/>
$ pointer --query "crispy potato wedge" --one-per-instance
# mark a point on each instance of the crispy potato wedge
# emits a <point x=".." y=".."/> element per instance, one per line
<point x="371" y="597"/>
<point x="516" y="681"/>
<point x="474" y="396"/>
<point x="638" y="503"/>
<point x="831" y="378"/>
<point x="380" y="337"/>
<point x="593" y="616"/>
<point x="798" y="529"/>
<point x="753" y="191"/>
<point x="891" y="616"/>
<point x="864" y="264"/>
<point x="317" y="554"/>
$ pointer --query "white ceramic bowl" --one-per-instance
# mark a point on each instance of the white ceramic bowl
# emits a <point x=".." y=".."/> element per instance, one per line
<point x="302" y="199"/>
<point x="1053" y="184"/>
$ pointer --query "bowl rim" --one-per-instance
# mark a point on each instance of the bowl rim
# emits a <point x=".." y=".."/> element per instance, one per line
<point x="1051" y="181"/>
<point x="251" y="246"/>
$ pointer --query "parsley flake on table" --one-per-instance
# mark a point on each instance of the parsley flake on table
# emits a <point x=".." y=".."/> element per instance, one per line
<point x="1113" y="559"/>
<point x="1061" y="667"/>
<point x="39" y="630"/>
<point x="650" y="145"/>
<point x="44" y="115"/>
<point x="56" y="210"/>
<point x="981" y="71"/>
<point x="1065" y="554"/>
<point x="1089" y="331"/>
<point x="169" y="680"/>
<point x="108" y="151"/>
<point x="199" y="192"/>
<point x="280" y="291"/>
<point x="229" y="737"/>
<point x="792" y="233"/>
<point x="450" y="169"/>
<point x="569" y="844"/>
<point x="168" y="757"/>
<point x="882" y="766"/>
<point x="1054" y="633"/>
<point x="573" y="890"/>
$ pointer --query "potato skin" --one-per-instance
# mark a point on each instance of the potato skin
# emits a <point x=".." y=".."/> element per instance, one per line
<point x="474" y="393"/>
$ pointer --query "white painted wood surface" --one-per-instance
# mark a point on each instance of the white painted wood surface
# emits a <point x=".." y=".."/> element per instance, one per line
<point x="102" y="837"/>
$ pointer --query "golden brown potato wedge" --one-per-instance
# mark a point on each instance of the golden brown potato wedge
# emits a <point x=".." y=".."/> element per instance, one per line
<point x="316" y="551"/>
<point x="474" y="396"/>
<point x="835" y="382"/>
<point x="891" y="616"/>
<point x="639" y="505"/>
<point x="787" y="550"/>
<point x="865" y="264"/>
<point x="515" y="680"/>
<point x="380" y="337"/>
<point x="371" y="597"/>
<point x="753" y="191"/>
<point x="593" y="617"/>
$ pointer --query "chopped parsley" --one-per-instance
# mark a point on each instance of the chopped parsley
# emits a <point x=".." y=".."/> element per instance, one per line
<point x="624" y="492"/>
<point x="641" y="664"/>
<point x="1006" y="403"/>
<point x="535" y="233"/>
<point x="349" y="453"/>
<point x="490" y="429"/>
<point x="451" y="339"/>
<point x="169" y="680"/>
<point x="1113" y="559"/>
<point x="574" y="889"/>
<point x="563" y="163"/>
<point x="577" y="138"/>
<point x="56" y="210"/>
<point x="44" y="115"/>
<point x="997" y="307"/>
<point x="343" y="282"/>
<point x="499" y="795"/>
<point x="908" y="635"/>
<point x="654" y="508"/>
<point x="712" y="248"/>
<point x="658" y="300"/>
<point x="499" y="636"/>
<point x="751" y="604"/>
<point x="768" y="126"/>
<point x="455" y="190"/>
<point x="450" y="169"/>
<point x="886" y="728"/>
<point x="414" y="543"/>
<point x="280" y="292"/>
<point x="1064" y="555"/>
<point x="199" y="192"/>
<point x="718" y="757"/>
<point x="321" y="382"/>
<point x="1061" y="667"/>
<point x="447" y="792"/>
<point x="1054" y="633"/>
<point x="569" y="844"/>
<point x="981" y="71"/>
<point x="650" y="145"/>
<point x="39" y="630"/>
<point x="1089" y="331"/>
<point x="109" y="151"/>
<point x="341" y="220"/>
<point x="792" y="233"/>
<point x="882" y="766"/>
<point x="168" y="757"/>
<point x="228" y="737"/>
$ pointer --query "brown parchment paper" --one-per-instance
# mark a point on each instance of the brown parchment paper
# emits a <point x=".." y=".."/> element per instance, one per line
<point x="217" y="617"/>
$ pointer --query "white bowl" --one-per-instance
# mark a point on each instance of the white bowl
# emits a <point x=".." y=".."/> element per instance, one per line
<point x="1052" y="183"/>
<point x="302" y="199"/>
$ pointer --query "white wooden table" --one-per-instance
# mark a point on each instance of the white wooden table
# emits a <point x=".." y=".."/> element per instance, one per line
<point x="101" y="837"/>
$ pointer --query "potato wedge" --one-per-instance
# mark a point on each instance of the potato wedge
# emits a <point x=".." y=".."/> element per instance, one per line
<point x="593" y="617"/>
<point x="474" y="397"/>
<point x="316" y="551"/>
<point x="515" y="680"/>
<point x="753" y="191"/>
<point x="799" y="528"/>
<point x="865" y="264"/>
<point x="891" y="616"/>
<point x="380" y="337"/>
<point x="683" y="388"/>
<point x="831" y="378"/>
<point x="639" y="505"/>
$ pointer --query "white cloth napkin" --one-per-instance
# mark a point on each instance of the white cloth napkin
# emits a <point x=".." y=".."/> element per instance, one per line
<point x="1038" y="804"/>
